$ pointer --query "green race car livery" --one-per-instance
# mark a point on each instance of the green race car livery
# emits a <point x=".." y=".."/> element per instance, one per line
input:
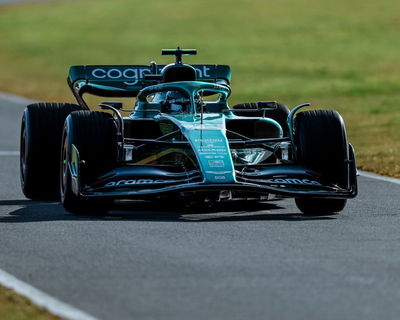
<point x="181" y="139"/>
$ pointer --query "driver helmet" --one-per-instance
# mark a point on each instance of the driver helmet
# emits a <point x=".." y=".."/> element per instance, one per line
<point x="176" y="101"/>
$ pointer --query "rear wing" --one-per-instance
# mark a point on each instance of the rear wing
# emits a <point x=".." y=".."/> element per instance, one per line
<point x="128" y="80"/>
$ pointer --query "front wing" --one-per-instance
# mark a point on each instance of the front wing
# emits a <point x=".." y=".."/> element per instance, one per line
<point x="143" y="181"/>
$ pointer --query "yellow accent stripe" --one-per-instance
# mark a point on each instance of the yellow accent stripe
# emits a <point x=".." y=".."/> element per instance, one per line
<point x="159" y="155"/>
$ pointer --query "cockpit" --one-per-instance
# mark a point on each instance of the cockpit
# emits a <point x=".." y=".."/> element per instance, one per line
<point x="184" y="97"/>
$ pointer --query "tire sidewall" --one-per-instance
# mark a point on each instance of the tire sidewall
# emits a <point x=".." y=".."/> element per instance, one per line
<point x="65" y="183"/>
<point x="24" y="152"/>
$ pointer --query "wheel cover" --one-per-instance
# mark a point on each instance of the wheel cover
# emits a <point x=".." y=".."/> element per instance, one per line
<point x="64" y="168"/>
<point x="23" y="154"/>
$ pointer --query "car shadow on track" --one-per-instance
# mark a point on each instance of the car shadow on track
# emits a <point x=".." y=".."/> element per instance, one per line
<point x="37" y="211"/>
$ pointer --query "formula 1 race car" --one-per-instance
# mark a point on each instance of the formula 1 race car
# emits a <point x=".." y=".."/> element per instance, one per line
<point x="181" y="141"/>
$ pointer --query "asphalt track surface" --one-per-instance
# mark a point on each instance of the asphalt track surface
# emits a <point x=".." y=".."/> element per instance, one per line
<point x="245" y="261"/>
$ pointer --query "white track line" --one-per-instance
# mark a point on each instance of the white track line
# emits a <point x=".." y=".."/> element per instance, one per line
<point x="41" y="299"/>
<point x="9" y="153"/>
<point x="378" y="177"/>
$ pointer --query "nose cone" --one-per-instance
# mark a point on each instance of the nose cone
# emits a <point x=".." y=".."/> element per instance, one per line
<point x="209" y="143"/>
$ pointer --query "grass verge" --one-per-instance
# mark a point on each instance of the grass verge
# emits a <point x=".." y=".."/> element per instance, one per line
<point x="342" y="55"/>
<point x="16" y="307"/>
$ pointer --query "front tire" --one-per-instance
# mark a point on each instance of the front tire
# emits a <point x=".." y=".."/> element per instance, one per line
<point x="95" y="137"/>
<point x="322" y="146"/>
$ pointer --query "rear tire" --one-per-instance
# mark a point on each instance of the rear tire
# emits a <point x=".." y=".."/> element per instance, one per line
<point x="41" y="130"/>
<point x="321" y="146"/>
<point x="280" y="114"/>
<point x="94" y="134"/>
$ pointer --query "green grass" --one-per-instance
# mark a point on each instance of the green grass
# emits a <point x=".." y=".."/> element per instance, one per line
<point x="342" y="55"/>
<point x="15" y="307"/>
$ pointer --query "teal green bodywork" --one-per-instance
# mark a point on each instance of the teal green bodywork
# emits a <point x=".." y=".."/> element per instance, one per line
<point x="179" y="143"/>
<point x="208" y="141"/>
<point x="206" y="132"/>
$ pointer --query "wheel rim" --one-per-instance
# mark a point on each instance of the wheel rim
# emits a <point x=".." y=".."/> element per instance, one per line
<point x="23" y="154"/>
<point x="64" y="167"/>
